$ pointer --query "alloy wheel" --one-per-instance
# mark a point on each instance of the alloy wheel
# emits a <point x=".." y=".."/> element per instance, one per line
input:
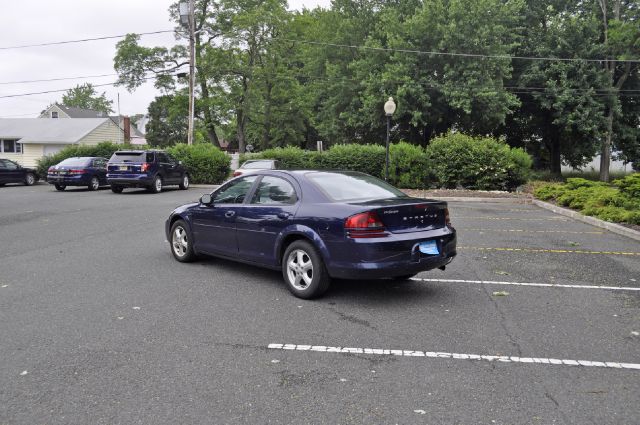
<point x="180" y="242"/>
<point x="299" y="269"/>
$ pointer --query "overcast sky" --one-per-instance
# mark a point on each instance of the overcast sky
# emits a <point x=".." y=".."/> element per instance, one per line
<point x="35" y="21"/>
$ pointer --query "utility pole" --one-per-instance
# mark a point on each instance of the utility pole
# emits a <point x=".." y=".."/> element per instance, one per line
<point x="187" y="18"/>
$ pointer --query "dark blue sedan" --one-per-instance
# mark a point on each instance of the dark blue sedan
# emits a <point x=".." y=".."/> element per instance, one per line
<point x="314" y="226"/>
<point x="79" y="171"/>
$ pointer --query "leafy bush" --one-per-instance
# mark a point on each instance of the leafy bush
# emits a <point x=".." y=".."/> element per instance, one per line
<point x="368" y="159"/>
<point x="619" y="202"/>
<point x="408" y="166"/>
<point x="205" y="162"/>
<point x="291" y="157"/>
<point x="458" y="160"/>
<point x="105" y="149"/>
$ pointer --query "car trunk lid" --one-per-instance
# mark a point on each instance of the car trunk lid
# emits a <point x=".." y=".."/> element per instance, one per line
<point x="404" y="215"/>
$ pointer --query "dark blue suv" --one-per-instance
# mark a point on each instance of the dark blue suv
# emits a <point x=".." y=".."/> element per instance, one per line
<point x="148" y="169"/>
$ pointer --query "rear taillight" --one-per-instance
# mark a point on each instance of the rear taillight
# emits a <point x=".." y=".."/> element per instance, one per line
<point x="50" y="169"/>
<point x="447" y="218"/>
<point x="365" y="225"/>
<point x="145" y="167"/>
<point x="237" y="173"/>
<point x="77" y="171"/>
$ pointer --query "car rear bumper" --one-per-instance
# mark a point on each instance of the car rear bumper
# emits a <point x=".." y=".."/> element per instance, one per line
<point x="130" y="180"/>
<point x="375" y="259"/>
<point x="79" y="180"/>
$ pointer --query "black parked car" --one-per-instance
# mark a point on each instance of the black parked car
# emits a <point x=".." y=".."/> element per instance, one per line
<point x="12" y="172"/>
<point x="79" y="171"/>
<point x="148" y="169"/>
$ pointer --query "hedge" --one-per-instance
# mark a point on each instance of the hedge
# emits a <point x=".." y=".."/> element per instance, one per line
<point x="617" y="202"/>
<point x="460" y="161"/>
<point x="205" y="162"/>
<point x="105" y="149"/>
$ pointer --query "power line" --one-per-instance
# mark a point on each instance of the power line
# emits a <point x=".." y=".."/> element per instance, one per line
<point x="55" y="43"/>
<point x="64" y="90"/>
<point x="58" y="79"/>
<point x="464" y="55"/>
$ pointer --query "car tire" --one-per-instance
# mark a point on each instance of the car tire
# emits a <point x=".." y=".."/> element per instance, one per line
<point x="304" y="271"/>
<point x="60" y="187"/>
<point x="184" y="185"/>
<point x="29" y="179"/>
<point x="117" y="189"/>
<point x="156" y="186"/>
<point x="181" y="242"/>
<point x="94" y="184"/>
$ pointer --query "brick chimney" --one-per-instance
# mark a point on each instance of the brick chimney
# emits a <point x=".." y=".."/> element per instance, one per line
<point x="126" y="124"/>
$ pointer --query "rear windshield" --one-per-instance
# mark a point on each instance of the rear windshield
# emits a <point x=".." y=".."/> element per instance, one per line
<point x="132" y="157"/>
<point x="75" y="162"/>
<point x="261" y="165"/>
<point x="353" y="186"/>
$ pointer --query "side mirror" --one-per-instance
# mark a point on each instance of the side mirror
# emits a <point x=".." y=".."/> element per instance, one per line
<point x="206" y="199"/>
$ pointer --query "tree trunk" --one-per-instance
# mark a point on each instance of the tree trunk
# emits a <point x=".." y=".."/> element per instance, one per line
<point x="605" y="154"/>
<point x="240" y="117"/>
<point x="208" y="117"/>
<point x="556" y="161"/>
<point x="266" y="134"/>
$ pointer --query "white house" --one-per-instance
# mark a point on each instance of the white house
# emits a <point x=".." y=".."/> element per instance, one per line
<point x="25" y="140"/>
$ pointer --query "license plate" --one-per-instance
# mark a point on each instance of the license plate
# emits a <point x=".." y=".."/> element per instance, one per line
<point x="123" y="168"/>
<point x="429" y="248"/>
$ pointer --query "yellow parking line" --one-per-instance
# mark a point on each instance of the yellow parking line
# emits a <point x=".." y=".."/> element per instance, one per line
<point x="455" y="217"/>
<point x="533" y="231"/>
<point x="555" y="251"/>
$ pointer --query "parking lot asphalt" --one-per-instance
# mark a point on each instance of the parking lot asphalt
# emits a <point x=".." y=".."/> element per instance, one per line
<point x="537" y="321"/>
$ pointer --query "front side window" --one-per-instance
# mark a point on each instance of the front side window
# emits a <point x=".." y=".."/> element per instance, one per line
<point x="235" y="192"/>
<point x="10" y="165"/>
<point x="274" y="191"/>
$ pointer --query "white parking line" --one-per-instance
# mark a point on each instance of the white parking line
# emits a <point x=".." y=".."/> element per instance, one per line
<point x="454" y="356"/>
<point x="544" y="285"/>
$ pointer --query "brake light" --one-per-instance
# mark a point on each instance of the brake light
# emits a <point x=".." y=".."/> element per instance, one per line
<point x="447" y="218"/>
<point x="145" y="167"/>
<point x="237" y="173"/>
<point x="365" y="225"/>
<point x="77" y="171"/>
<point x="50" y="169"/>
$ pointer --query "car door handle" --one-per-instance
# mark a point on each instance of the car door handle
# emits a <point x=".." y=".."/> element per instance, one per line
<point x="284" y="215"/>
<point x="229" y="214"/>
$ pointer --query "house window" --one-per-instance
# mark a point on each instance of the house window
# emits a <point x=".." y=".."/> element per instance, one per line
<point x="54" y="114"/>
<point x="10" y="146"/>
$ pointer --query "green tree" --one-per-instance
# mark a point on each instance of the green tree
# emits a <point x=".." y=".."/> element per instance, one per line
<point x="85" y="96"/>
<point x="167" y="124"/>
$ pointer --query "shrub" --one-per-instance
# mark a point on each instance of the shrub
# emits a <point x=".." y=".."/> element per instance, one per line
<point x="408" y="166"/>
<point x="291" y="157"/>
<point x="205" y="162"/>
<point x="105" y="149"/>
<point x="368" y="159"/>
<point x="617" y="203"/>
<point x="458" y="160"/>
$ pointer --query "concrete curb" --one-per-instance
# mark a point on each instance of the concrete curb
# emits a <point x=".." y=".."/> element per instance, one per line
<point x="612" y="227"/>
<point x="485" y="200"/>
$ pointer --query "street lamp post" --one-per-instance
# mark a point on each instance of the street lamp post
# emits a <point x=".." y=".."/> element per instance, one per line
<point x="187" y="19"/>
<point x="389" y="109"/>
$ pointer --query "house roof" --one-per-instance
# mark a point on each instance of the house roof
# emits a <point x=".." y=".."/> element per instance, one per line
<point x="36" y="130"/>
<point x="81" y="113"/>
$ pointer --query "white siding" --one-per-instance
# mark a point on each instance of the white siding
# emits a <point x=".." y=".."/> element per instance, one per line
<point x="29" y="156"/>
<point x="107" y="132"/>
<point x="54" y="108"/>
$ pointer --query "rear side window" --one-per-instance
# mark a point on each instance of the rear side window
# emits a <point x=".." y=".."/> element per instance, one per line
<point x="274" y="191"/>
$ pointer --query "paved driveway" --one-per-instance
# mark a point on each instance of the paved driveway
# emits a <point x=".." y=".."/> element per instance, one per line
<point x="536" y="322"/>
